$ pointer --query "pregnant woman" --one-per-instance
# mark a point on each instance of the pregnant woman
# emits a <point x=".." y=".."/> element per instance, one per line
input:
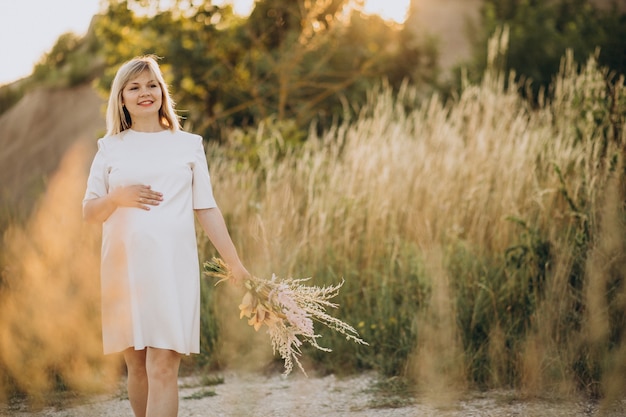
<point x="147" y="180"/>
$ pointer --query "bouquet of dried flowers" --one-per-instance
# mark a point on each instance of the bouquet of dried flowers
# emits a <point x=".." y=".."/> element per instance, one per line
<point x="287" y="307"/>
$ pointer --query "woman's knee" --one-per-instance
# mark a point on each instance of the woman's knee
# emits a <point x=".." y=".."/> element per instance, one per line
<point x="162" y="364"/>
<point x="135" y="362"/>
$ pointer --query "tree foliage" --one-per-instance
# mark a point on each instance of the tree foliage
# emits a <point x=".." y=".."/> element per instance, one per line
<point x="297" y="60"/>
<point x="541" y="32"/>
<point x="70" y="62"/>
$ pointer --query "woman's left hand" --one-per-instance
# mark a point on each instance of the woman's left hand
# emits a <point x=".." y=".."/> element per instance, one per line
<point x="240" y="275"/>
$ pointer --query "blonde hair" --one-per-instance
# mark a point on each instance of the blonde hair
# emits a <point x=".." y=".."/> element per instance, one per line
<point x="117" y="117"/>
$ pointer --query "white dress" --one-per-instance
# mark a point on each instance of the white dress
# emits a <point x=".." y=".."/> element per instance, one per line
<point x="150" y="269"/>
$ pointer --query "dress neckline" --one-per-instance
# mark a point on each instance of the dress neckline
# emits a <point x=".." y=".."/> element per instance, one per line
<point x="148" y="133"/>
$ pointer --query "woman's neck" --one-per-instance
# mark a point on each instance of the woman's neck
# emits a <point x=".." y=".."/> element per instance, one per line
<point x="147" y="126"/>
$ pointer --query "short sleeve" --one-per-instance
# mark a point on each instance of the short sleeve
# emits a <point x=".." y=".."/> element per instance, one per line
<point x="98" y="180"/>
<point x="202" y="191"/>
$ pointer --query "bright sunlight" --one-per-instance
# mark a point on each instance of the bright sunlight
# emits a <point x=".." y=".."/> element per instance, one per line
<point x="395" y="10"/>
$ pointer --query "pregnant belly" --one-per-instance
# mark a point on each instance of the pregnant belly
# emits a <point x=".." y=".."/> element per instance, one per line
<point x="155" y="227"/>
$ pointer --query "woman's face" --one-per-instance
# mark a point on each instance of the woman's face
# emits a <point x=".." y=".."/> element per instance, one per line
<point x="142" y="96"/>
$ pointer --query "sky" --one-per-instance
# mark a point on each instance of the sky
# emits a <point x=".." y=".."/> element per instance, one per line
<point x="30" y="28"/>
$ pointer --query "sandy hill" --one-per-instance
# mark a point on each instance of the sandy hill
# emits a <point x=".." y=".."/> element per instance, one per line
<point x="35" y="134"/>
<point x="450" y="23"/>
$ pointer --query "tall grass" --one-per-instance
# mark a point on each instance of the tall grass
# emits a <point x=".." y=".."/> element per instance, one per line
<point x="481" y="240"/>
<point x="49" y="303"/>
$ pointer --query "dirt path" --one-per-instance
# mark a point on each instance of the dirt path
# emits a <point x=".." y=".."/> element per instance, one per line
<point x="247" y="395"/>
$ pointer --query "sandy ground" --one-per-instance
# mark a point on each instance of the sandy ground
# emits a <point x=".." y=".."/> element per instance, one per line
<point x="253" y="395"/>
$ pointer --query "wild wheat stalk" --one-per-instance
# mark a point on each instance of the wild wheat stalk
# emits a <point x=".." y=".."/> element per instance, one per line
<point x="288" y="308"/>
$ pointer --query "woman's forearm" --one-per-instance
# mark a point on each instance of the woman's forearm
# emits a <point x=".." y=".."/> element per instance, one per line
<point x="214" y="226"/>
<point x="99" y="209"/>
<point x="139" y="196"/>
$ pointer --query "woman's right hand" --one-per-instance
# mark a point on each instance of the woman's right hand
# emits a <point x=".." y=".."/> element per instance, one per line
<point x="140" y="196"/>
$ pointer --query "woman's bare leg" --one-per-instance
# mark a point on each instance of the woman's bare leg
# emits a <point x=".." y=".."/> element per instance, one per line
<point x="137" y="380"/>
<point x="162" y="369"/>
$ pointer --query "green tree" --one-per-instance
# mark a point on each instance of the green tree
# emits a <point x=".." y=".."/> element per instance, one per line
<point x="293" y="60"/>
<point x="541" y="32"/>
<point x="70" y="62"/>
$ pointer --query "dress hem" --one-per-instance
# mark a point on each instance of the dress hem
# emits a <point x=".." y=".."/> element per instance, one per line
<point x="116" y="351"/>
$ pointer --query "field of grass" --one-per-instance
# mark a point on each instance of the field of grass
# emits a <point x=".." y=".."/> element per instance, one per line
<point x="481" y="241"/>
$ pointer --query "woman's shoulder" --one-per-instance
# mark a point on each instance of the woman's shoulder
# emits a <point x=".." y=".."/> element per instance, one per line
<point x="189" y="140"/>
<point x="108" y="141"/>
<point x="181" y="134"/>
